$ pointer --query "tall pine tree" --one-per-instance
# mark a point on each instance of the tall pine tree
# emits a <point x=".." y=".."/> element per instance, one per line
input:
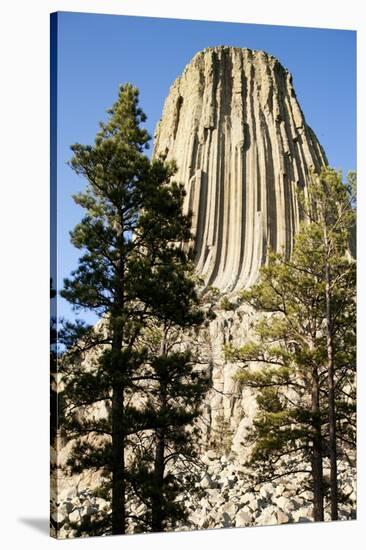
<point x="305" y="345"/>
<point x="328" y="207"/>
<point x="132" y="268"/>
<point x="167" y="461"/>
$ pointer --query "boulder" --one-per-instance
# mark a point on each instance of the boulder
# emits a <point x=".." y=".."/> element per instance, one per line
<point x="74" y="516"/>
<point x="211" y="455"/>
<point x="282" y="517"/>
<point x="67" y="507"/>
<point x="243" y="518"/>
<point x="229" y="508"/>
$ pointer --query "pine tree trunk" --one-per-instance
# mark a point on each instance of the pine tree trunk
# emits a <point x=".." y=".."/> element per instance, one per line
<point x="157" y="497"/>
<point x="331" y="403"/>
<point x="157" y="511"/>
<point x="118" y="465"/>
<point x="317" y="458"/>
<point x="118" y="438"/>
<point x="118" y="394"/>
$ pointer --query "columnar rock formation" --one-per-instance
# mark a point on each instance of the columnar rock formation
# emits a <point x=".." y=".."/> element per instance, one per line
<point x="235" y="128"/>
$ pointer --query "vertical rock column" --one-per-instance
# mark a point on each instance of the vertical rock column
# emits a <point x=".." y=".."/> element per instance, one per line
<point x="234" y="127"/>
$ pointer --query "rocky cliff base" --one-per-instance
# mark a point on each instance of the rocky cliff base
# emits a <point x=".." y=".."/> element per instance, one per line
<point x="225" y="500"/>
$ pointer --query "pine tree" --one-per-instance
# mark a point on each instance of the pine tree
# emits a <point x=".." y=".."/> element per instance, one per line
<point x="305" y="345"/>
<point x="329" y="209"/>
<point x="53" y="367"/>
<point x="132" y="269"/>
<point x="168" y="462"/>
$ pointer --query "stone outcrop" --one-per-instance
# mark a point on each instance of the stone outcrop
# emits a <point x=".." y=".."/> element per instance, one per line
<point x="234" y="127"/>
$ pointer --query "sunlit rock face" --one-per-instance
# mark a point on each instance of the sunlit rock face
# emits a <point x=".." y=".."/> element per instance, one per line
<point x="234" y="127"/>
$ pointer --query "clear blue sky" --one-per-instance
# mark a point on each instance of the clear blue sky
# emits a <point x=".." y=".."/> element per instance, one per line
<point x="96" y="53"/>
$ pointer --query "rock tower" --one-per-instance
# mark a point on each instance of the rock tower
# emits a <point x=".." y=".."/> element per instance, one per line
<point x="235" y="128"/>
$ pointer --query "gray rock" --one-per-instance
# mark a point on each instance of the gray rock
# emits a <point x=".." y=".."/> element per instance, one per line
<point x="205" y="504"/>
<point x="206" y="482"/>
<point x="242" y="519"/>
<point x="100" y="503"/>
<point x="268" y="516"/>
<point x="227" y="520"/>
<point x="282" y="502"/>
<point x="74" y="516"/>
<point x="67" y="507"/>
<point x="88" y="511"/>
<point x="211" y="455"/>
<point x="231" y="480"/>
<point x="253" y="503"/>
<point x="230" y="509"/>
<point x="295" y="503"/>
<point x="282" y="517"/>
